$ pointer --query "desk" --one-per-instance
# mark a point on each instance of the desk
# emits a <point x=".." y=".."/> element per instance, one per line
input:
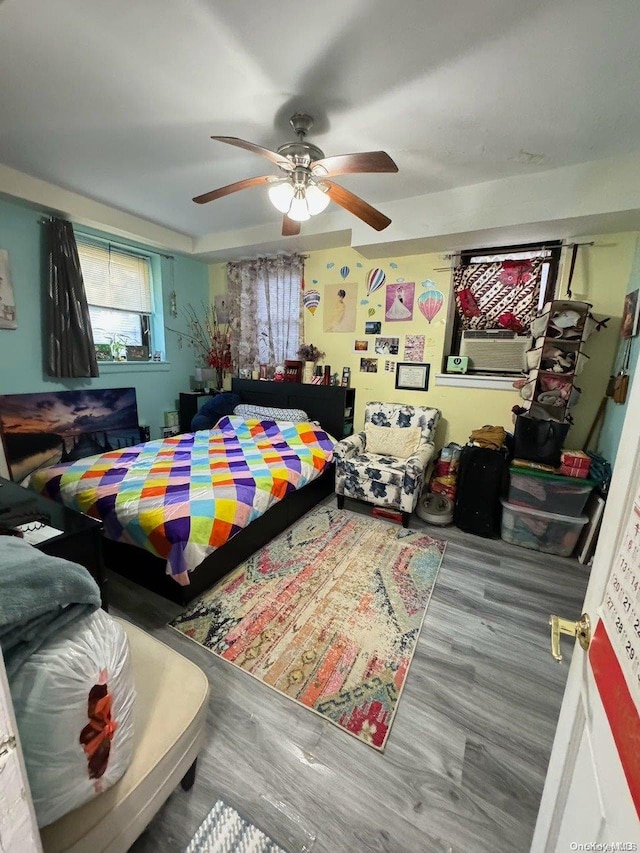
<point x="81" y="537"/>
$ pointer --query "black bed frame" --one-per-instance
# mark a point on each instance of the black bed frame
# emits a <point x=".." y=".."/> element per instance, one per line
<point x="143" y="568"/>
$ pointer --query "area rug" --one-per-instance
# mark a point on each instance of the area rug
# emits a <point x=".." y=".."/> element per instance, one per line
<point x="224" y="831"/>
<point x="328" y="614"/>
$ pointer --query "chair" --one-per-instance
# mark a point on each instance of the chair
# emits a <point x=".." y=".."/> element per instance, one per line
<point x="385" y="479"/>
<point x="169" y="725"/>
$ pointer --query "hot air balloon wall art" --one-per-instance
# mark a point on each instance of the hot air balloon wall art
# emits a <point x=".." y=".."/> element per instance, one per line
<point x="311" y="300"/>
<point x="430" y="301"/>
<point x="399" y="301"/>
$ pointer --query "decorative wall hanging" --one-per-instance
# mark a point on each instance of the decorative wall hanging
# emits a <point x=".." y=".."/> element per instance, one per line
<point x="414" y="347"/>
<point x="399" y="302"/>
<point x="340" y="307"/>
<point x="222" y="309"/>
<point x="8" y="317"/>
<point x="629" y="328"/>
<point x="430" y="301"/>
<point x="375" y="279"/>
<point x="344" y="272"/>
<point x="311" y="300"/>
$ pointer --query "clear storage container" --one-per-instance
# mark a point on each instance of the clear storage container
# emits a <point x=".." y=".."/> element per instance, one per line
<point x="541" y="531"/>
<point x="548" y="492"/>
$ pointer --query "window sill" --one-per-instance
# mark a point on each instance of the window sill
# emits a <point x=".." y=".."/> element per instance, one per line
<point x="133" y="367"/>
<point x="482" y="381"/>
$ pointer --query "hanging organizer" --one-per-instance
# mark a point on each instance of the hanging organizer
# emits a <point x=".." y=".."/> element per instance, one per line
<point x="556" y="359"/>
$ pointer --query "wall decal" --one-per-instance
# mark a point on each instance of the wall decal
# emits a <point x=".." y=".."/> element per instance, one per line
<point x="430" y="302"/>
<point x="311" y="300"/>
<point x="414" y="347"/>
<point x="368" y="365"/>
<point x="330" y="266"/>
<point x="387" y="346"/>
<point x="314" y="281"/>
<point x="393" y="265"/>
<point x="344" y="272"/>
<point x="375" y="279"/>
<point x="400" y="279"/>
<point x="399" y="302"/>
<point x="8" y="318"/>
<point x="372" y="311"/>
<point x="359" y="265"/>
<point x="340" y="307"/>
<point x="364" y="302"/>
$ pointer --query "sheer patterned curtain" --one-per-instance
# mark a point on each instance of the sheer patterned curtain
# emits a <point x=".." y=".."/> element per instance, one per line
<point x="265" y="300"/>
<point x="69" y="349"/>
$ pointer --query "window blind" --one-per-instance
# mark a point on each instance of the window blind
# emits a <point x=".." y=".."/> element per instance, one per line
<point x="115" y="279"/>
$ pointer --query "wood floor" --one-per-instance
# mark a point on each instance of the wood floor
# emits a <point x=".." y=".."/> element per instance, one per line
<point x="465" y="762"/>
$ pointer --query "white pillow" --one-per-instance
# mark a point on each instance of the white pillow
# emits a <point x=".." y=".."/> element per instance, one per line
<point x="392" y="441"/>
<point x="270" y="413"/>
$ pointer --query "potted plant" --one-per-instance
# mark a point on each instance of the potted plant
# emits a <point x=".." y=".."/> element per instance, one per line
<point x="310" y="354"/>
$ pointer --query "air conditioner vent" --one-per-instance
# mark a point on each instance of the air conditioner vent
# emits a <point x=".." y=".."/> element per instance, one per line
<point x="495" y="351"/>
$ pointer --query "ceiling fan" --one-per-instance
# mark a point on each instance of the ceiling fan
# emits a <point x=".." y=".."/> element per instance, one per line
<point x="303" y="188"/>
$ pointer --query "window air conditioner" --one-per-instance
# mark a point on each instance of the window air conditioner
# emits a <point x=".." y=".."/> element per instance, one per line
<point x="495" y="350"/>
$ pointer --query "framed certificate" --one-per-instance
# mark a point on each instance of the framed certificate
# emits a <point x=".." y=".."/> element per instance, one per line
<point x="412" y="376"/>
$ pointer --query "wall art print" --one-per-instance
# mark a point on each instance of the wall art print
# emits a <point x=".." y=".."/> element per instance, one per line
<point x="8" y="316"/>
<point x="399" y="301"/>
<point x="414" y="347"/>
<point x="340" y="303"/>
<point x="45" y="428"/>
<point x="387" y="346"/>
<point x="368" y="365"/>
<point x="629" y="328"/>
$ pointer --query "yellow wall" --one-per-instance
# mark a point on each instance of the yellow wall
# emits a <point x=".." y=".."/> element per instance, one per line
<point x="601" y="277"/>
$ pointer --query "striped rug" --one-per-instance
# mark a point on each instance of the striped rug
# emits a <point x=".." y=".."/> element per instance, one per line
<point x="224" y="831"/>
<point x="328" y="614"/>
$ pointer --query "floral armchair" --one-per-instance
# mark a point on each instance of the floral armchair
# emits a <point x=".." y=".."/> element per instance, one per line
<point x="381" y="479"/>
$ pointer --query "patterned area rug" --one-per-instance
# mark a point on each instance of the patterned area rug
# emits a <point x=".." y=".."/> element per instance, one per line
<point x="328" y="613"/>
<point x="224" y="831"/>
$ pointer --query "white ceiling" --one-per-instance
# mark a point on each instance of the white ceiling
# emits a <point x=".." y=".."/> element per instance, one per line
<point x="116" y="100"/>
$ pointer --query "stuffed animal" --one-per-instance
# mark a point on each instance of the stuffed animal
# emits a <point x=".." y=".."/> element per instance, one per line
<point x="279" y="374"/>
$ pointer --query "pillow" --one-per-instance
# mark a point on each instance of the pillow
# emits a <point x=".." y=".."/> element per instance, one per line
<point x="217" y="407"/>
<point x="270" y="413"/>
<point x="392" y="441"/>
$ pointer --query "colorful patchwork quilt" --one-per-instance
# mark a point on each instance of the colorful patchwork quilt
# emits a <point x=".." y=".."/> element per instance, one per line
<point x="185" y="496"/>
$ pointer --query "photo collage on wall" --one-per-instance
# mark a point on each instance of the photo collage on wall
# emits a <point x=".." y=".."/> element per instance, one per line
<point x="398" y="301"/>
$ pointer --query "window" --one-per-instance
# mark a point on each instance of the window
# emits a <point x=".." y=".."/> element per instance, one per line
<point x="118" y="284"/>
<point x="497" y="294"/>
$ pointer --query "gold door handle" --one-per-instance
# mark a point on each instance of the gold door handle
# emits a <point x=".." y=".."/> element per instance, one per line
<point x="580" y="629"/>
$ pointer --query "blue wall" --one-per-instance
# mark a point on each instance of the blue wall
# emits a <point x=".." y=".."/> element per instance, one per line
<point x="21" y="351"/>
<point x="616" y="412"/>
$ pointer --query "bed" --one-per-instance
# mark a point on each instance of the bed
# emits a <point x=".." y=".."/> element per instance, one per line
<point x="179" y="513"/>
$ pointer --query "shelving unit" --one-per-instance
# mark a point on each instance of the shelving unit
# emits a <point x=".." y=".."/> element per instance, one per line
<point x="556" y="359"/>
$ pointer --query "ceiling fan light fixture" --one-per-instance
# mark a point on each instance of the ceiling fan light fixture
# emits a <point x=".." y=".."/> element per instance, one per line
<point x="317" y="199"/>
<point x="299" y="210"/>
<point x="281" y="196"/>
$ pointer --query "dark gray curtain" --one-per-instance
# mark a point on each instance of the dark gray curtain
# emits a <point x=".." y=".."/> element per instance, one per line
<point x="69" y="345"/>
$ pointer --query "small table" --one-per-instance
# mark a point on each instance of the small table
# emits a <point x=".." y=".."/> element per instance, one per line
<point x="81" y="537"/>
<point x="188" y="407"/>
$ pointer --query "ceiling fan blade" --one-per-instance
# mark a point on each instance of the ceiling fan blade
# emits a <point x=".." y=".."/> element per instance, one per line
<point x="290" y="227"/>
<point x="357" y="206"/>
<point x="349" y="164"/>
<point x="276" y="158"/>
<point x="233" y="188"/>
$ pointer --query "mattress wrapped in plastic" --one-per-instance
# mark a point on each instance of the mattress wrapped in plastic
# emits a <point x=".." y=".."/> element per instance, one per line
<point x="74" y="701"/>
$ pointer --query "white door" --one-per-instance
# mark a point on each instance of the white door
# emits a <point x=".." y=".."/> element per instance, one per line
<point x="18" y="830"/>
<point x="591" y="797"/>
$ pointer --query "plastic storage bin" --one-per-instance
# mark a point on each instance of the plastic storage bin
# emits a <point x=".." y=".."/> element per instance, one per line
<point x="553" y="493"/>
<point x="541" y="531"/>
